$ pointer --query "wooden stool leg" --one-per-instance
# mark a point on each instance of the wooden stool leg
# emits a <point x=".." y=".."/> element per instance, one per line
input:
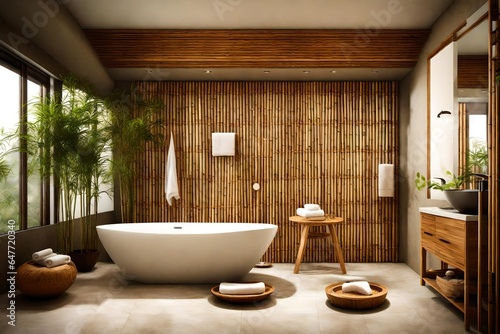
<point x="303" y="240"/>
<point x="338" y="249"/>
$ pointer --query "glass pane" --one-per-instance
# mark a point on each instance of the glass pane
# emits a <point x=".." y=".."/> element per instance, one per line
<point x="34" y="181"/>
<point x="478" y="149"/>
<point x="9" y="119"/>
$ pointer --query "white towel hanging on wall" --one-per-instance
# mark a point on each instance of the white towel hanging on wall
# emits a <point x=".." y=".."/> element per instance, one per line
<point x="386" y="180"/>
<point x="171" y="186"/>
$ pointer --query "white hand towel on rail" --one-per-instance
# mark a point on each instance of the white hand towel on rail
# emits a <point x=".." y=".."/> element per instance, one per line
<point x="171" y="186"/>
<point x="42" y="253"/>
<point x="223" y="144"/>
<point x="242" y="288"/>
<point x="57" y="260"/>
<point x="310" y="213"/>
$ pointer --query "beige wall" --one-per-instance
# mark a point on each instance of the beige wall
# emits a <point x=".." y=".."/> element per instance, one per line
<point x="54" y="41"/>
<point x="413" y="132"/>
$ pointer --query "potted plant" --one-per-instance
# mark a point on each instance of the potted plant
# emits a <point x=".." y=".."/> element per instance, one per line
<point x="463" y="200"/>
<point x="69" y="139"/>
<point x="133" y="121"/>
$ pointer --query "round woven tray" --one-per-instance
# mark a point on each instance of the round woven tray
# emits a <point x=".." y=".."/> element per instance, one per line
<point x="353" y="300"/>
<point x="243" y="298"/>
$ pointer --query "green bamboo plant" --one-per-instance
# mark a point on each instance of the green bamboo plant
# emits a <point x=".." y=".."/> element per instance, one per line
<point x="4" y="165"/>
<point x="67" y="136"/>
<point x="133" y="121"/>
<point x="477" y="158"/>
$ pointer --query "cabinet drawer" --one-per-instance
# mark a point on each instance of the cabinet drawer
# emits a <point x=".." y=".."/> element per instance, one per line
<point x="450" y="241"/>
<point x="428" y="240"/>
<point x="428" y="223"/>
<point x="428" y="231"/>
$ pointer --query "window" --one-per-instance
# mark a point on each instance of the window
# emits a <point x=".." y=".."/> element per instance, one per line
<point x="24" y="197"/>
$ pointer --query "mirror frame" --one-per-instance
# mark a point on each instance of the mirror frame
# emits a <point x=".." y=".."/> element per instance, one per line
<point x="458" y="33"/>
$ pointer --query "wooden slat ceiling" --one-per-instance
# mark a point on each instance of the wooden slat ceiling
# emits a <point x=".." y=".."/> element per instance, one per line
<point x="472" y="72"/>
<point x="191" y="48"/>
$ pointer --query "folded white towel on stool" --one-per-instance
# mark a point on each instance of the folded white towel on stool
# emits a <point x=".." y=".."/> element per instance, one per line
<point x="312" y="207"/>
<point x="57" y="260"/>
<point x="310" y="213"/>
<point x="42" y="253"/>
<point x="362" y="287"/>
<point x="242" y="288"/>
<point x="41" y="260"/>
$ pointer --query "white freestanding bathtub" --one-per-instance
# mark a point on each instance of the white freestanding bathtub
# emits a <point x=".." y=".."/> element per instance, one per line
<point x="186" y="252"/>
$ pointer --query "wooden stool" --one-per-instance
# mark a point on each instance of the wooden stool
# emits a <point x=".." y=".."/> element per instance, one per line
<point x="39" y="281"/>
<point x="305" y="224"/>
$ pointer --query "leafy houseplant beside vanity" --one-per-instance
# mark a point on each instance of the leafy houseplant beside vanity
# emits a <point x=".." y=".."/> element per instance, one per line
<point x="452" y="237"/>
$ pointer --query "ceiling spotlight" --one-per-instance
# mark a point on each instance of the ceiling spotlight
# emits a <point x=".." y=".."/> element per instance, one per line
<point x="208" y="71"/>
<point x="444" y="112"/>
<point x="267" y="71"/>
<point x="333" y="71"/>
<point x="305" y="72"/>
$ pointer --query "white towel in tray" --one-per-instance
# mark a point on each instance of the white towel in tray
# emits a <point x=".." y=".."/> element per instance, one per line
<point x="242" y="288"/>
<point x="362" y="287"/>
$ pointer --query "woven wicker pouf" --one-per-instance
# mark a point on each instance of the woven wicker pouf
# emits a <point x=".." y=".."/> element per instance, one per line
<point x="38" y="281"/>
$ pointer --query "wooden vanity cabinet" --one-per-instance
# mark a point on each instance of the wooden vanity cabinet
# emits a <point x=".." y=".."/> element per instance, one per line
<point x="455" y="243"/>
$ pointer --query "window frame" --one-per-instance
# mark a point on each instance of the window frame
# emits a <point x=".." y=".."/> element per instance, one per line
<point x="30" y="72"/>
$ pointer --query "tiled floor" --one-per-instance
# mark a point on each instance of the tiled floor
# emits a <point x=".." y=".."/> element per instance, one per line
<point x="101" y="302"/>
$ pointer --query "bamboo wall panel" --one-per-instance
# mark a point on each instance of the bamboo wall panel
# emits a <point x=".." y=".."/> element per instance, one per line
<point x="303" y="142"/>
<point x="257" y="48"/>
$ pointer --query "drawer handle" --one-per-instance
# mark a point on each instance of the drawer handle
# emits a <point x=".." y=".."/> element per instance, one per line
<point x="445" y="241"/>
<point x="428" y="233"/>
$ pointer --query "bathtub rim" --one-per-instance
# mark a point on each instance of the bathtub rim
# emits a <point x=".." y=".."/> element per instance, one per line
<point x="125" y="227"/>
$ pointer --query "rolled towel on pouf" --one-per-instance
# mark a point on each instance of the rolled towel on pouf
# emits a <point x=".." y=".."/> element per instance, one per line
<point x="41" y="260"/>
<point x="57" y="260"/>
<point x="362" y="287"/>
<point x="242" y="288"/>
<point x="44" y="252"/>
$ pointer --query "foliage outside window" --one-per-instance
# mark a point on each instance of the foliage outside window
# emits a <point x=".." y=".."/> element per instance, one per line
<point x="21" y="196"/>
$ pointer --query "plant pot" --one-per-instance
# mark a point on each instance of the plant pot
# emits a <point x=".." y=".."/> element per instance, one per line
<point x="84" y="259"/>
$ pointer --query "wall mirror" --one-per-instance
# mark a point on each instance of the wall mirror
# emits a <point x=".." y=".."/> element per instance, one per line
<point x="458" y="101"/>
